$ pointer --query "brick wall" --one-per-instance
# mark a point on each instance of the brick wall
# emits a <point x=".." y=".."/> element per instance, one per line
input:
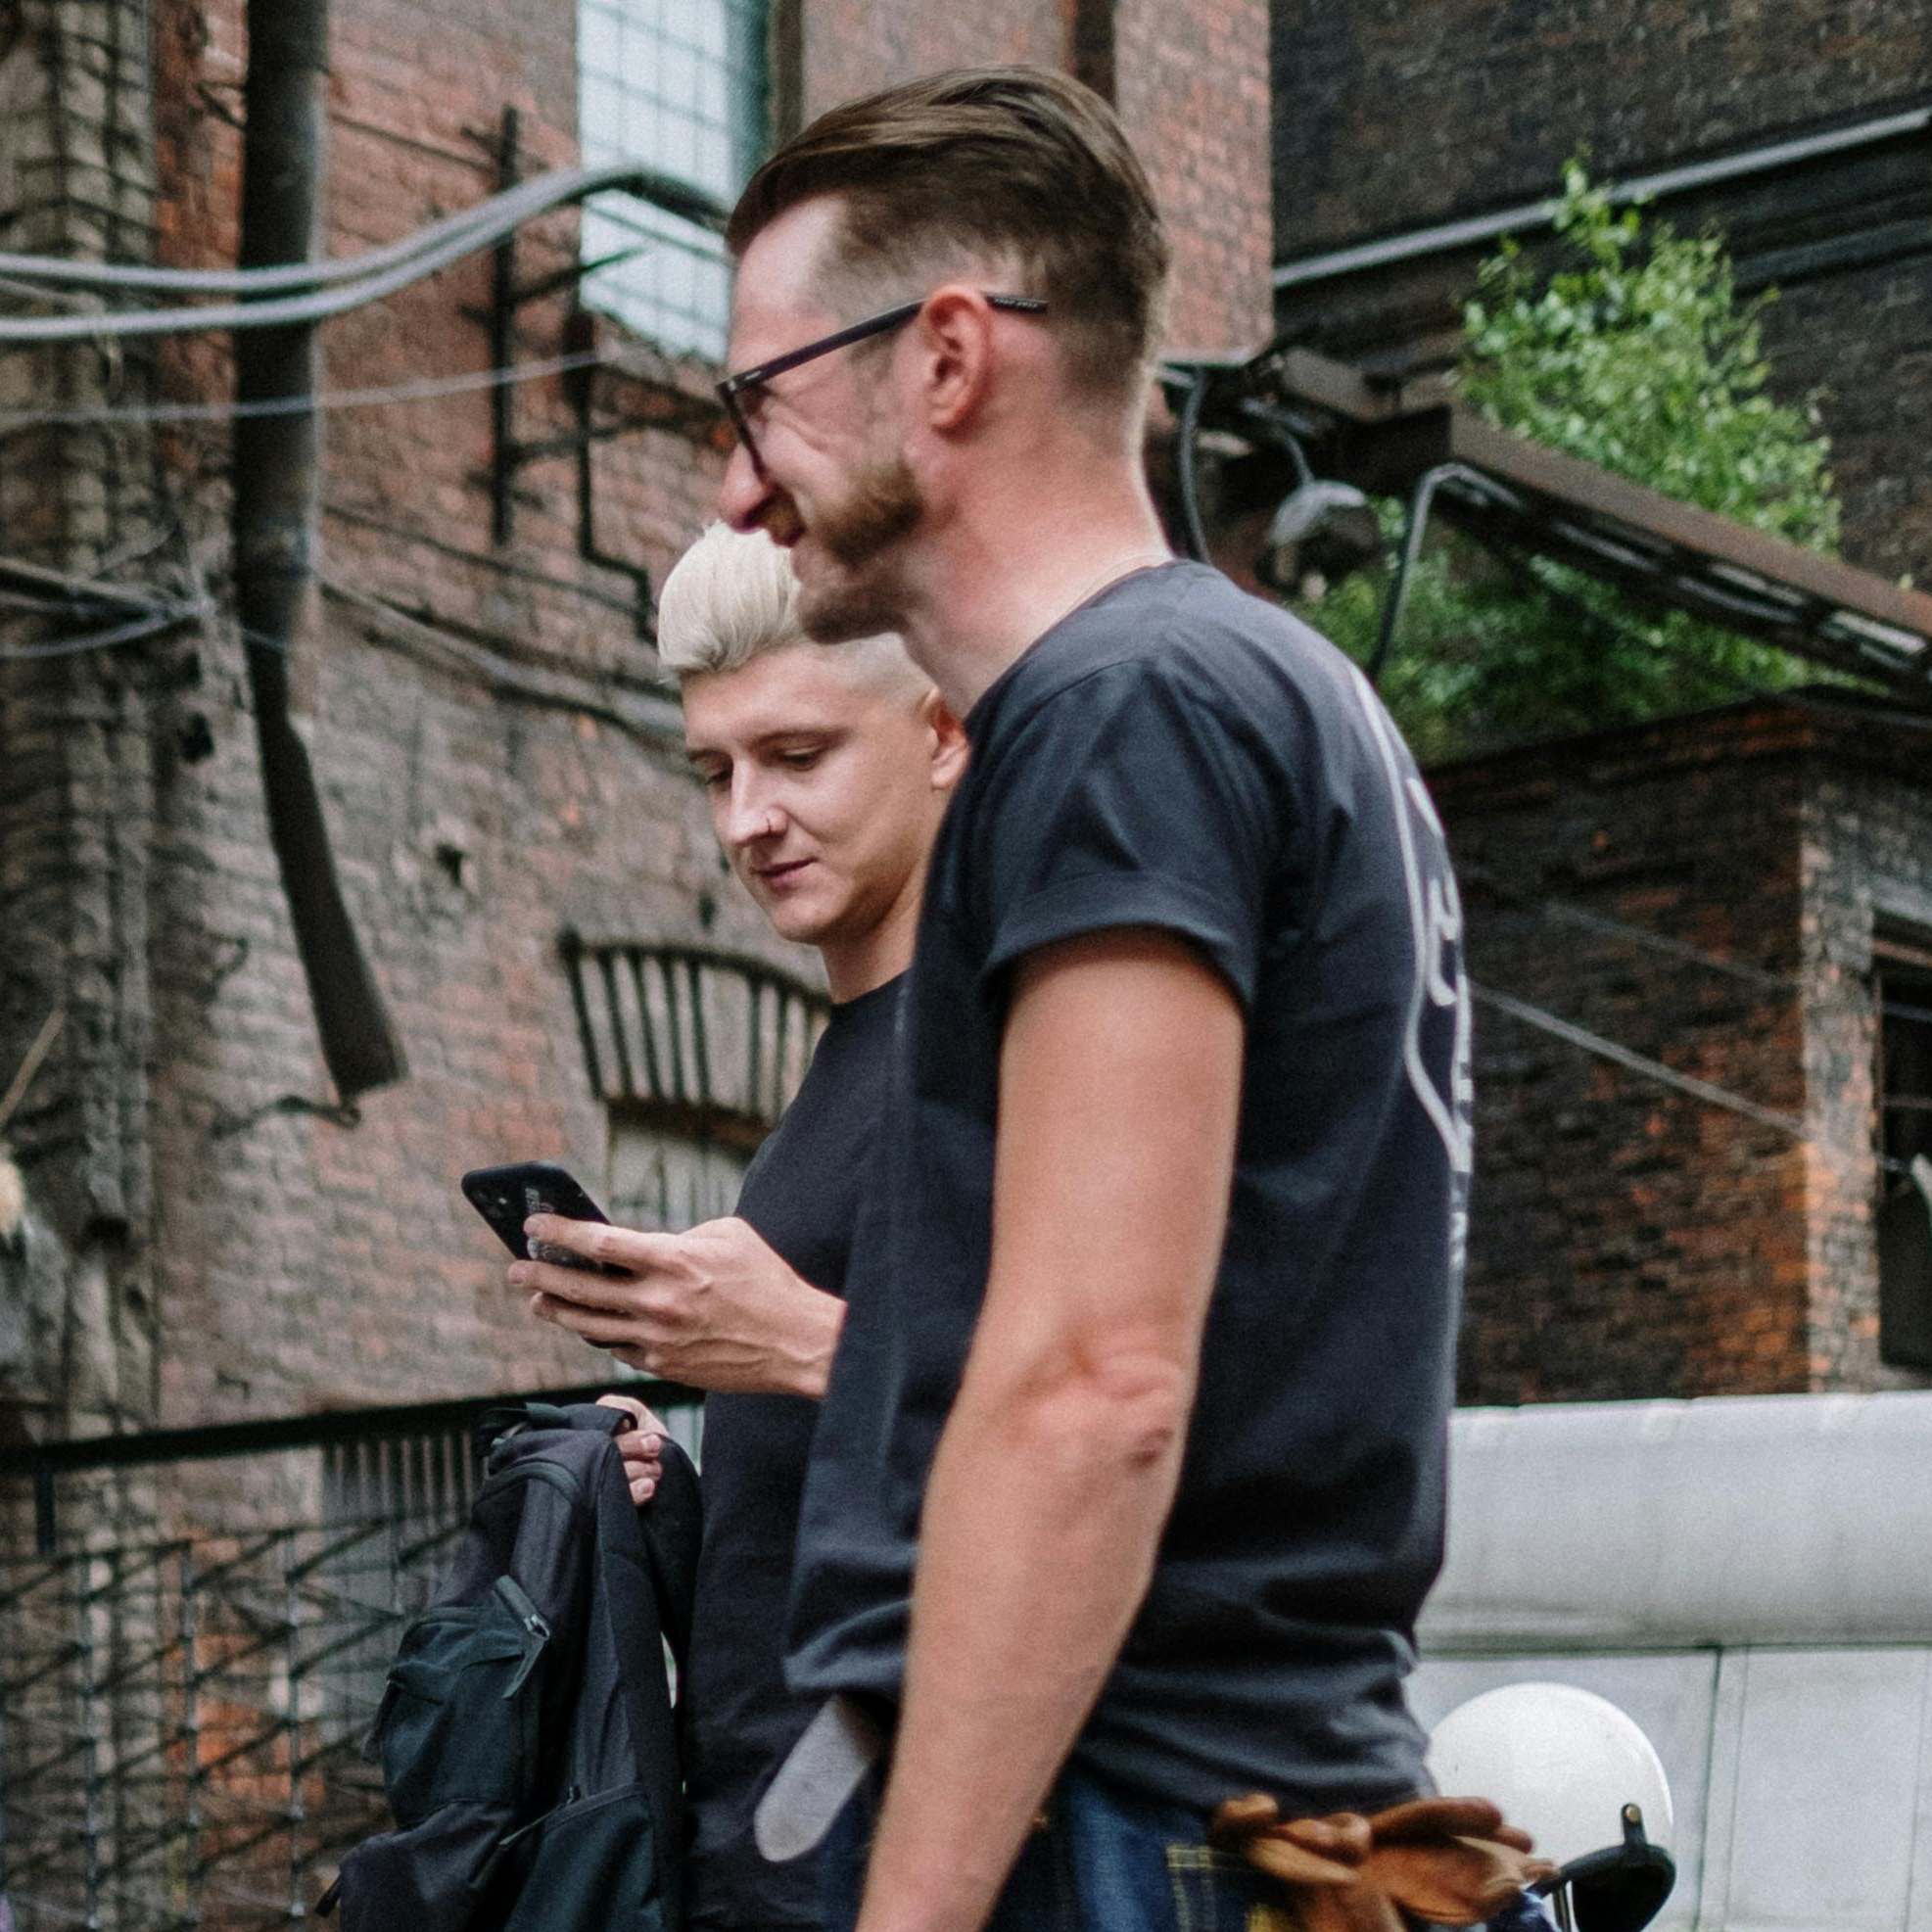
<point x="1195" y="103"/>
<point x="490" y="738"/>
<point x="1389" y="119"/>
<point x="295" y="1259"/>
<point x="852" y="46"/>
<point x="1193" y="100"/>
<point x="1389" y="115"/>
<point x="1867" y="832"/>
<point x="304" y="1262"/>
<point x="77" y="178"/>
<point x="1629" y="1239"/>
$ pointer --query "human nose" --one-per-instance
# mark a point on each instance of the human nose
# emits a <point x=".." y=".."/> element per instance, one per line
<point x="749" y="816"/>
<point x="746" y="491"/>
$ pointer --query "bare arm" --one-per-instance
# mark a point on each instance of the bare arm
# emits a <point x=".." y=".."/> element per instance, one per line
<point x="714" y="1307"/>
<point x="1119" y="1091"/>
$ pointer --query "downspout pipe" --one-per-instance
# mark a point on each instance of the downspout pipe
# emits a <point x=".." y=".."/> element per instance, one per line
<point x="278" y="503"/>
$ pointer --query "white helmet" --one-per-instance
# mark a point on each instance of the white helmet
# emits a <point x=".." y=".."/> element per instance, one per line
<point x="1583" y="1779"/>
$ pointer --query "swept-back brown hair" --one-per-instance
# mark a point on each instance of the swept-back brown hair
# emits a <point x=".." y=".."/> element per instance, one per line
<point x="1006" y="163"/>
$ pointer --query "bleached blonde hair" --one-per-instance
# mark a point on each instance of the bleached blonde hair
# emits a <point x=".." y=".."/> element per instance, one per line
<point x="733" y="597"/>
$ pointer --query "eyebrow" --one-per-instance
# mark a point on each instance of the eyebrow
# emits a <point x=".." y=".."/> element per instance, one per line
<point x="778" y="735"/>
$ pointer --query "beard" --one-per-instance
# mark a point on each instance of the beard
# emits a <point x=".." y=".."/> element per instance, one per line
<point x="883" y="505"/>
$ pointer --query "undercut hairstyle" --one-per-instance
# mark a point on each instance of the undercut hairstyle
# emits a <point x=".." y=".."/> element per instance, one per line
<point x="980" y="169"/>
<point x="732" y="598"/>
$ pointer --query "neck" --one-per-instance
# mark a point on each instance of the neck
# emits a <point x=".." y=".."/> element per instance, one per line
<point x="1008" y="563"/>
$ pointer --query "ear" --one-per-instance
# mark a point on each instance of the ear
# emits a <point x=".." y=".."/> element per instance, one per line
<point x="948" y="739"/>
<point x="953" y="334"/>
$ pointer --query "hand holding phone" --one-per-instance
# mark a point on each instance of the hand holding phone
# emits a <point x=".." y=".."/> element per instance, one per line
<point x="507" y="1197"/>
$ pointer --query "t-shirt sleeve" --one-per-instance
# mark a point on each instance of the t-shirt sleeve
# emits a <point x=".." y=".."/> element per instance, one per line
<point x="1130" y="800"/>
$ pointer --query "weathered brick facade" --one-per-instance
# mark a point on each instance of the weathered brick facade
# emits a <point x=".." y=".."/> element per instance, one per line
<point x="1391" y="119"/>
<point x="1703" y="892"/>
<point x="496" y="758"/>
<point x="1629" y="1241"/>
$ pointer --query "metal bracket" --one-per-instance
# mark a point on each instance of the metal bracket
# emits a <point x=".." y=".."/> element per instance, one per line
<point x="508" y="453"/>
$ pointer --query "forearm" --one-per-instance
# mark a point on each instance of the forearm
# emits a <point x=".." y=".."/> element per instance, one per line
<point x="1042" y="1517"/>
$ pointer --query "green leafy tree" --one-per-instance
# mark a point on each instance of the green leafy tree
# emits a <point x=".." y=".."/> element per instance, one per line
<point x="1636" y="353"/>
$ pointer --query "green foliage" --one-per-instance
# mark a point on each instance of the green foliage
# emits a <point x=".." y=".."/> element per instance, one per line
<point x="1635" y="354"/>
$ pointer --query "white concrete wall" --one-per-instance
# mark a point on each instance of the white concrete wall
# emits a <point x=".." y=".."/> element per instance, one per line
<point x="1751" y="1580"/>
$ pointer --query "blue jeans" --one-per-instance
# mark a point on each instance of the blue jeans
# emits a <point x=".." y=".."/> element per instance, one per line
<point x="1102" y="1861"/>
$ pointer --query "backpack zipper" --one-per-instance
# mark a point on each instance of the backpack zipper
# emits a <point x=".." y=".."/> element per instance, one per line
<point x="535" y="1631"/>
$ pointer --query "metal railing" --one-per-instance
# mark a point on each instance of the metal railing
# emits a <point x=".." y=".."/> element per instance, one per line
<point x="181" y="1717"/>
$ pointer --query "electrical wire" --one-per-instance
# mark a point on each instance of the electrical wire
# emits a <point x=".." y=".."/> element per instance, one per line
<point x="1186" y="454"/>
<point x="540" y="192"/>
<point x="1596" y="1045"/>
<point x="502" y="215"/>
<point x="163" y="618"/>
<point x="422" y="390"/>
<point x="1561" y="911"/>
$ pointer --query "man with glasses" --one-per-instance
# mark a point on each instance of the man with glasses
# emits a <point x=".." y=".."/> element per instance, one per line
<point x="1129" y="1484"/>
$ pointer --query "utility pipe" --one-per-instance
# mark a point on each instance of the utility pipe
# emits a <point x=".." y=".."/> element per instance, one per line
<point x="278" y="503"/>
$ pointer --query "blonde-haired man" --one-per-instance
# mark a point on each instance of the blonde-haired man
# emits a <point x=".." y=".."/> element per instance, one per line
<point x="827" y="771"/>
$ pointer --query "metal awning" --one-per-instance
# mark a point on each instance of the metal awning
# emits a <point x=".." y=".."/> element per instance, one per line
<point x="1521" y="497"/>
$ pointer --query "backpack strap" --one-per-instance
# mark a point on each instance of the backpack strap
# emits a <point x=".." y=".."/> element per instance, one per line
<point x="503" y="1420"/>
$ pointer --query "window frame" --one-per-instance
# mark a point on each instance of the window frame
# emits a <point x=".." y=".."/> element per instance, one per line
<point x="625" y="241"/>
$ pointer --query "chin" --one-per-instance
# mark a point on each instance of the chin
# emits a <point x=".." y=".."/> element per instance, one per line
<point x="839" y="613"/>
<point x="803" y="925"/>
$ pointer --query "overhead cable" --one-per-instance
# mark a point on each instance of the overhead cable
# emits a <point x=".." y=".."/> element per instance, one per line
<point x="421" y="390"/>
<point x="1651" y="1069"/>
<point x="495" y="218"/>
<point x="533" y="196"/>
<point x="1565" y="914"/>
<point x="165" y="618"/>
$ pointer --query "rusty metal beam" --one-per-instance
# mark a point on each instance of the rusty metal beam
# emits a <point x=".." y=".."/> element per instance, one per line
<point x="1384" y="435"/>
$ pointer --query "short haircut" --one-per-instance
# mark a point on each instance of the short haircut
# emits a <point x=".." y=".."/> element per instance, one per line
<point x="732" y="597"/>
<point x="984" y="165"/>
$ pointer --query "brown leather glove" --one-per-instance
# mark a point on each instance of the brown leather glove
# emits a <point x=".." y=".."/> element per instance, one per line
<point x="1437" y="1861"/>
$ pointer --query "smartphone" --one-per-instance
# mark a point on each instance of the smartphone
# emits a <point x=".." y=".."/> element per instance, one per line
<point x="506" y="1196"/>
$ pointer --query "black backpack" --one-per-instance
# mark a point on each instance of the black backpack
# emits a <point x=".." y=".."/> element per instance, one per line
<point x="526" y="1733"/>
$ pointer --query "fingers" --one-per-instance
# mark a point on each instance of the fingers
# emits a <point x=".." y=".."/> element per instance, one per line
<point x="630" y="1249"/>
<point x="644" y="1421"/>
<point x="589" y="1324"/>
<point x="586" y="1290"/>
<point x="641" y="1446"/>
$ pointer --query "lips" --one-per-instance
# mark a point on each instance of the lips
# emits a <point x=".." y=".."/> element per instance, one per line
<point x="780" y="874"/>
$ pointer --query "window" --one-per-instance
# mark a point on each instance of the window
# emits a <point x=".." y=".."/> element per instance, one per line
<point x="695" y="1055"/>
<point x="678" y="85"/>
<point x="1904" y="985"/>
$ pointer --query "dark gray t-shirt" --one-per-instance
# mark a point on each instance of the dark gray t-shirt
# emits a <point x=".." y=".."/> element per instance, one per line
<point x="1179" y="755"/>
<point x="801" y="1193"/>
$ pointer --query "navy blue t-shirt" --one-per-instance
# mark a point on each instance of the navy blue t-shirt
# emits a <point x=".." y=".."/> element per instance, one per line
<point x="1179" y="755"/>
<point x="801" y="1193"/>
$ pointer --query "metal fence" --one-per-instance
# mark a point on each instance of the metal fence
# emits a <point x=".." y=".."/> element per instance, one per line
<point x="181" y="1718"/>
<point x="180" y="1724"/>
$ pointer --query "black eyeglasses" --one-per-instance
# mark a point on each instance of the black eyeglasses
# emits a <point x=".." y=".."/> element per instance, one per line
<point x="733" y="386"/>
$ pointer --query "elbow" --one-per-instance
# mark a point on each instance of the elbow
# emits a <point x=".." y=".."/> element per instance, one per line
<point x="1123" y="1407"/>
